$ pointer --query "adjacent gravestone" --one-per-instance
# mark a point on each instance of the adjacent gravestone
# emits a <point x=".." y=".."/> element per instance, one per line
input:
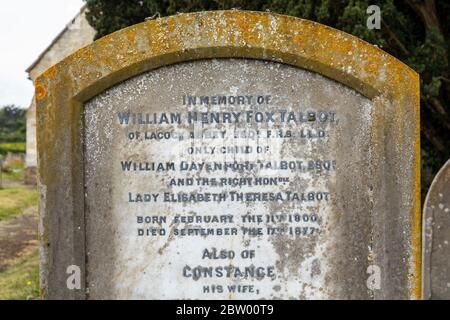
<point x="229" y="155"/>
<point x="436" y="237"/>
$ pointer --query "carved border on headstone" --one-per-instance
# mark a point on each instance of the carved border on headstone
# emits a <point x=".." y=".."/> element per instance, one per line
<point x="62" y="90"/>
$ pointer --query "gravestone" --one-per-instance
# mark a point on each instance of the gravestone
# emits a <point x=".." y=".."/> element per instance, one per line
<point x="436" y="237"/>
<point x="229" y="155"/>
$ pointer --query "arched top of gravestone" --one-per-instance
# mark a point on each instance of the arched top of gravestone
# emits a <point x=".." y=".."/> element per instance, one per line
<point x="439" y="182"/>
<point x="244" y="34"/>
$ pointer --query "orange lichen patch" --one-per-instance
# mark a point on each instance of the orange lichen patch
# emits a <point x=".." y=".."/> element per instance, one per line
<point x="40" y="92"/>
<point x="371" y="66"/>
<point x="130" y="36"/>
<point x="85" y="53"/>
<point x="171" y="25"/>
<point x="51" y="72"/>
<point x="185" y="19"/>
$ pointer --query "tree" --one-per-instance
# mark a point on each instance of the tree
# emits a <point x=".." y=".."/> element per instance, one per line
<point x="12" y="124"/>
<point x="414" y="31"/>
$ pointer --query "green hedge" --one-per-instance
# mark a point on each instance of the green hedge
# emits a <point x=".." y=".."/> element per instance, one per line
<point x="13" y="147"/>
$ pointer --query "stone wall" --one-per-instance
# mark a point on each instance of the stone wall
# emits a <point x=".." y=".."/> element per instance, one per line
<point x="31" y="150"/>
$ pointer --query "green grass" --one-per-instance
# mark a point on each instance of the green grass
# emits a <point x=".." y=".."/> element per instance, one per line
<point x="13" y="200"/>
<point x="20" y="281"/>
<point x="14" y="173"/>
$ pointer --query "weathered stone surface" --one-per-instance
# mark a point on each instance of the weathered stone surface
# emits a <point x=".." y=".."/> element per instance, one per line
<point x="373" y="216"/>
<point x="305" y="266"/>
<point x="436" y="237"/>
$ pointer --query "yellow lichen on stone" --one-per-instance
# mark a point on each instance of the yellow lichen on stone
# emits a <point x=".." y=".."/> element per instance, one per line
<point x="40" y="92"/>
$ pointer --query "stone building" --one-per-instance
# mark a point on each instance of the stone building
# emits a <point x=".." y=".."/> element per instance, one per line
<point x="77" y="34"/>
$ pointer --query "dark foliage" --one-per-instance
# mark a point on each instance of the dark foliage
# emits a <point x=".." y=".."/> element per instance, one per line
<point x="12" y="124"/>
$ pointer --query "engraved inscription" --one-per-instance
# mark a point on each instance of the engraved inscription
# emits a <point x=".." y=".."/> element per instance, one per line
<point x="221" y="180"/>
